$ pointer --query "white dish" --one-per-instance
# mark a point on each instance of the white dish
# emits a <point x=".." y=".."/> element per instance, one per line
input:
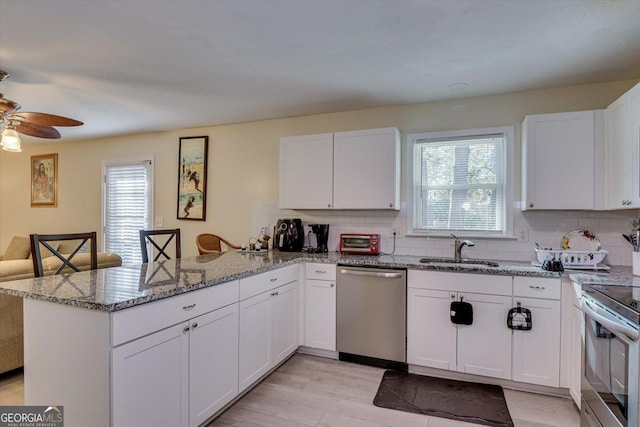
<point x="580" y="240"/>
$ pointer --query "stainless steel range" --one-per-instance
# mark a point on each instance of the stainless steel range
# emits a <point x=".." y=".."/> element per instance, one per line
<point x="611" y="364"/>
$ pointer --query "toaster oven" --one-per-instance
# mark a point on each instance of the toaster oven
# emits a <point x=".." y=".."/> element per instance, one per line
<point x="364" y="244"/>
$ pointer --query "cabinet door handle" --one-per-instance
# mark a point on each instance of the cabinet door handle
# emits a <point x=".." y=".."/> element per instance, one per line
<point x="195" y="325"/>
<point x="277" y="293"/>
<point x="275" y="279"/>
<point x="530" y="205"/>
<point x="328" y="205"/>
<point x="537" y="287"/>
<point x="188" y="307"/>
<point x="453" y="296"/>
<point x="390" y="205"/>
<point x="321" y="271"/>
<point x="273" y="294"/>
<point x="332" y="285"/>
<point x="186" y="329"/>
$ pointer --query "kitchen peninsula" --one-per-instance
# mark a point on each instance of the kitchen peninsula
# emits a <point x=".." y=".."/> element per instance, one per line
<point x="191" y="330"/>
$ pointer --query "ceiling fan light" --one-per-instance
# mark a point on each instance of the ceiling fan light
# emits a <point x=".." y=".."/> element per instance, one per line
<point x="11" y="141"/>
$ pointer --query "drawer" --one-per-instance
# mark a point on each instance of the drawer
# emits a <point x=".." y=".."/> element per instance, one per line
<point x="320" y="271"/>
<point x="263" y="282"/>
<point x="135" y="322"/>
<point x="460" y="282"/>
<point x="537" y="287"/>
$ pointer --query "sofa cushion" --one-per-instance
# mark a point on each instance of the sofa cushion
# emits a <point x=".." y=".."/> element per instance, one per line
<point x="45" y="252"/>
<point x="16" y="269"/>
<point x="82" y="261"/>
<point x="68" y="246"/>
<point x="19" y="248"/>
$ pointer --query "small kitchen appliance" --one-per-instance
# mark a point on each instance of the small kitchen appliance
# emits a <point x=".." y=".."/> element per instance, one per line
<point x="318" y="238"/>
<point x="288" y="235"/>
<point x="363" y="244"/>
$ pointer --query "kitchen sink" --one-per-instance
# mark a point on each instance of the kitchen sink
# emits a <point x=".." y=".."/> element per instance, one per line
<point x="463" y="262"/>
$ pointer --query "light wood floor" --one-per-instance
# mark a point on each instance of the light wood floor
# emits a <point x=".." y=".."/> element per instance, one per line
<point x="315" y="391"/>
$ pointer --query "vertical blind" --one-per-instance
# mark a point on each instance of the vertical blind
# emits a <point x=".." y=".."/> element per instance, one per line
<point x="461" y="183"/>
<point x="127" y="208"/>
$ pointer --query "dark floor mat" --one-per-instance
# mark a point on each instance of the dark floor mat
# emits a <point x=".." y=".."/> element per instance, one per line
<point x="457" y="400"/>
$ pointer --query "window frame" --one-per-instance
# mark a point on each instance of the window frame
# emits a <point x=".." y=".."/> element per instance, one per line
<point x="413" y="138"/>
<point x="151" y="180"/>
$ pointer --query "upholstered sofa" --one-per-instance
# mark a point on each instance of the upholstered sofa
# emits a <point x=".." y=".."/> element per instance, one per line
<point x="16" y="264"/>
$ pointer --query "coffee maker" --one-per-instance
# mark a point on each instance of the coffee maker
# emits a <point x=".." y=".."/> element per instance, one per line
<point x="319" y="238"/>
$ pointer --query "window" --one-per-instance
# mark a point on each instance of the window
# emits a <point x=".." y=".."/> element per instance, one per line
<point x="460" y="182"/>
<point x="127" y="206"/>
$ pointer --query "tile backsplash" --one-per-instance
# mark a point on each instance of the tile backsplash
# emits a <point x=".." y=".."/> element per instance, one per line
<point x="544" y="227"/>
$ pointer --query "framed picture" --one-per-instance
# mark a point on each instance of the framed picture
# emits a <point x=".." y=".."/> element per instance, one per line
<point x="192" y="178"/>
<point x="44" y="180"/>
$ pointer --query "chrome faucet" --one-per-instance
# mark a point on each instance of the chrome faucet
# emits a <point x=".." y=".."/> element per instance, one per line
<point x="458" y="245"/>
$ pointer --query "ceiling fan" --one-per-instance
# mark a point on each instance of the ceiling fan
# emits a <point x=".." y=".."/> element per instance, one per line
<point x="13" y="122"/>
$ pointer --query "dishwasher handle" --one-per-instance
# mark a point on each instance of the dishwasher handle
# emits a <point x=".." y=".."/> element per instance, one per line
<point x="371" y="273"/>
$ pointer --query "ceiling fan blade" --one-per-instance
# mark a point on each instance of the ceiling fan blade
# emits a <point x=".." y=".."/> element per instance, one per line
<point x="47" y="119"/>
<point x="41" y="131"/>
<point x="7" y="105"/>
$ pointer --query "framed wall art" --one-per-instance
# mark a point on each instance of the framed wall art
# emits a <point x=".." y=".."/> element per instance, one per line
<point x="192" y="178"/>
<point x="44" y="180"/>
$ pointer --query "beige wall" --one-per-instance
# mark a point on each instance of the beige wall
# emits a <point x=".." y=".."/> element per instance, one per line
<point x="243" y="159"/>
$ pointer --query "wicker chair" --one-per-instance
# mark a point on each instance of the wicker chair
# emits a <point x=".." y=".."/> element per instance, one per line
<point x="211" y="244"/>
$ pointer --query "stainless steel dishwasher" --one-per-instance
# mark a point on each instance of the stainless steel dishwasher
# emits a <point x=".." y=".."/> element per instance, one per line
<point x="372" y="316"/>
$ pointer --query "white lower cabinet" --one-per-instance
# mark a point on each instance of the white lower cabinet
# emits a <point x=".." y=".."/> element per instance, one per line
<point x="536" y="353"/>
<point x="284" y="322"/>
<point x="268" y="332"/>
<point x="213" y="363"/>
<point x="431" y="336"/>
<point x="484" y="348"/>
<point x="487" y="347"/>
<point x="150" y="380"/>
<point x="255" y="342"/>
<point x="575" y="372"/>
<point x="320" y="306"/>
<point x="433" y="340"/>
<point x="179" y="376"/>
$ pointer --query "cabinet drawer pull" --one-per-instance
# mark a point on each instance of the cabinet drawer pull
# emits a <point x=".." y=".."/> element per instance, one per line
<point x="537" y="287"/>
<point x="275" y="279"/>
<point x="321" y="271"/>
<point x="188" y="307"/>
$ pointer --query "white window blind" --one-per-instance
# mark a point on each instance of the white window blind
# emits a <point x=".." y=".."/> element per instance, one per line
<point x="127" y="207"/>
<point x="460" y="183"/>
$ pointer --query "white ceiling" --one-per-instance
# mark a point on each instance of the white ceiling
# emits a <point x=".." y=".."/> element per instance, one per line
<point x="128" y="66"/>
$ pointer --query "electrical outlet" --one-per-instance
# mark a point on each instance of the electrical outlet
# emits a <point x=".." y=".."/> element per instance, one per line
<point x="523" y="235"/>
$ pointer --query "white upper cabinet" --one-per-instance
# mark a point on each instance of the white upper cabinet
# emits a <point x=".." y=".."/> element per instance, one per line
<point x="366" y="169"/>
<point x="563" y="161"/>
<point x="623" y="153"/>
<point x="306" y="172"/>
<point x="343" y="170"/>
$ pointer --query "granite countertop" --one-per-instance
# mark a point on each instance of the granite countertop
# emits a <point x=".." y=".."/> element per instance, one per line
<point x="617" y="276"/>
<point x="117" y="288"/>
